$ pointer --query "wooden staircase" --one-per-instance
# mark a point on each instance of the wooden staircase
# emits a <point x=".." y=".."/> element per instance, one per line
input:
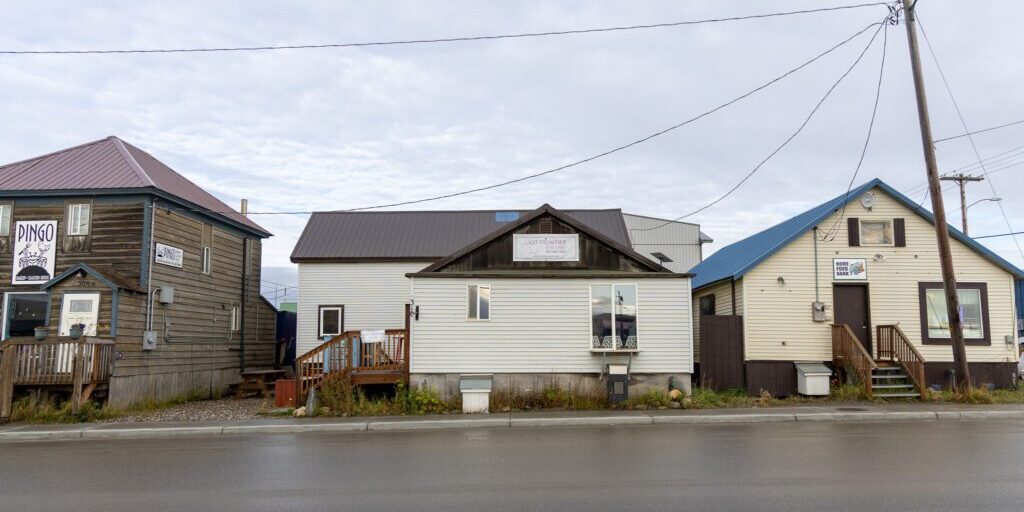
<point x="898" y="372"/>
<point x="381" y="362"/>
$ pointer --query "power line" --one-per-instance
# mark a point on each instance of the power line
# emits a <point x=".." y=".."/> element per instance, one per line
<point x="830" y="234"/>
<point x="785" y="142"/>
<point x="1002" y="158"/>
<point x="443" y="39"/>
<point x="1012" y="233"/>
<point x="967" y="132"/>
<point x="603" y="153"/>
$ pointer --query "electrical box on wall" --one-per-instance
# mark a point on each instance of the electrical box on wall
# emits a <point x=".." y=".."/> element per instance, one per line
<point x="166" y="295"/>
<point x="819" y="312"/>
<point x="148" y="340"/>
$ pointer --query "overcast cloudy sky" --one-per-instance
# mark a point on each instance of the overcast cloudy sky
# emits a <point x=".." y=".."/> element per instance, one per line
<point x="342" y="128"/>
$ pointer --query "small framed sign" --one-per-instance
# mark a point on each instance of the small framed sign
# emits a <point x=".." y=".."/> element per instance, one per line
<point x="546" y="247"/>
<point x="849" y="269"/>
<point x="35" y="250"/>
<point x="169" y="255"/>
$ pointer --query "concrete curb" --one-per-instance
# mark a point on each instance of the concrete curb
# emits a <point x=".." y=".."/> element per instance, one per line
<point x="503" y="420"/>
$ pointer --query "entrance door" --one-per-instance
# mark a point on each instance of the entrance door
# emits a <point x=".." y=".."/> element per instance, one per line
<point x="852" y="309"/>
<point x="80" y="308"/>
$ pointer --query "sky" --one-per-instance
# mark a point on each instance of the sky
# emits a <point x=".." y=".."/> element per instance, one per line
<point x="328" y="129"/>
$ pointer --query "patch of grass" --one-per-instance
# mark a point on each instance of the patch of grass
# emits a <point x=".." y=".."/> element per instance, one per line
<point x="551" y="397"/>
<point x="338" y="397"/>
<point x="45" y="408"/>
<point x="847" y="393"/>
<point x="652" y="399"/>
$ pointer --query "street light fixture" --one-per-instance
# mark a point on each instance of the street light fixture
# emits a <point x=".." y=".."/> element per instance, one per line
<point x="993" y="199"/>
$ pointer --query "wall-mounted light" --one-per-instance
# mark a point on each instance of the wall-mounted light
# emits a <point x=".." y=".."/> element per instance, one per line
<point x="879" y="257"/>
<point x="781" y="280"/>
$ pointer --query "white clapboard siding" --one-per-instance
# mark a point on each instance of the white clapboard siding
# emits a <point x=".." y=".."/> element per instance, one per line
<point x="374" y="296"/>
<point x="543" y="325"/>
<point x="778" y="322"/>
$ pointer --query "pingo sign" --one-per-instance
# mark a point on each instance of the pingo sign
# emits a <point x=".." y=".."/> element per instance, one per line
<point x="35" y="248"/>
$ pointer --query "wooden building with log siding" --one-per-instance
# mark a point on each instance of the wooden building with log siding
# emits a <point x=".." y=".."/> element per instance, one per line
<point x="127" y="246"/>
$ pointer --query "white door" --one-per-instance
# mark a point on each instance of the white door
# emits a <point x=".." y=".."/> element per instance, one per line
<point x="80" y="308"/>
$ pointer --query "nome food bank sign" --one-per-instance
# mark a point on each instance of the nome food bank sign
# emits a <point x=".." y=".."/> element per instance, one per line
<point x="546" y="247"/>
<point x="35" y="249"/>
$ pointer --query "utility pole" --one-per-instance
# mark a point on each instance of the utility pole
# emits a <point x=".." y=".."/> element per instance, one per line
<point x="956" y="334"/>
<point x="961" y="179"/>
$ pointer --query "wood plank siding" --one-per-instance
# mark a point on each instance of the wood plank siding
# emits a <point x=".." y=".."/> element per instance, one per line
<point x="778" y="325"/>
<point x="723" y="293"/>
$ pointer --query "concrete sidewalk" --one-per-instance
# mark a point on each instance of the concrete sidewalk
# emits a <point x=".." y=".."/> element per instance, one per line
<point x="833" y="413"/>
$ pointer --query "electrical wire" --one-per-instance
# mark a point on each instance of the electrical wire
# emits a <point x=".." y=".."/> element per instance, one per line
<point x="967" y="132"/>
<point x="442" y="39"/>
<point x="598" y="155"/>
<point x="978" y="131"/>
<point x="784" y="143"/>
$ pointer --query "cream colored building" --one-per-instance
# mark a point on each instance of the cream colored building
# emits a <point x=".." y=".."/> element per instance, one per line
<point x="866" y="259"/>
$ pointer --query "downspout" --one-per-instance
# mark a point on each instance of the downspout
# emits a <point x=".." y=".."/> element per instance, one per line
<point x="817" y="291"/>
<point x="149" y="265"/>
<point x="732" y="292"/>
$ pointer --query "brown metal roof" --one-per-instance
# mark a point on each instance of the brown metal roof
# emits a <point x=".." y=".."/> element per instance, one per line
<point x="112" y="164"/>
<point x="422" y="235"/>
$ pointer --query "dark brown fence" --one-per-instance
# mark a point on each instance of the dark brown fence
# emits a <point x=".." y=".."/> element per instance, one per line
<point x="721" y="352"/>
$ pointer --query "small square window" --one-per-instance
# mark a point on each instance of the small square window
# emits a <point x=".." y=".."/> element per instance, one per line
<point x="876" y="232"/>
<point x="332" y="320"/>
<point x="5" y="220"/>
<point x="78" y="219"/>
<point x="236" y="318"/>
<point x="707" y="305"/>
<point x="206" y="260"/>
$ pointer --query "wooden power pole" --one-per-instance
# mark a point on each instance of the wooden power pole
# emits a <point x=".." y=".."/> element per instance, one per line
<point x="956" y="334"/>
<point x="961" y="180"/>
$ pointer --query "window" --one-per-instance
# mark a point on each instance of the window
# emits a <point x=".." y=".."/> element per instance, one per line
<point x="23" y="312"/>
<point x="5" y="220"/>
<point x="206" y="260"/>
<point x="236" y="318"/>
<point x="332" y="321"/>
<point x="707" y="305"/>
<point x="478" y="302"/>
<point x="973" y="317"/>
<point x="613" y="317"/>
<point x="78" y="219"/>
<point x="876" y="232"/>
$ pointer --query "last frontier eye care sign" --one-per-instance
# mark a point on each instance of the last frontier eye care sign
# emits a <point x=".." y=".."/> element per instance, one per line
<point x="35" y="249"/>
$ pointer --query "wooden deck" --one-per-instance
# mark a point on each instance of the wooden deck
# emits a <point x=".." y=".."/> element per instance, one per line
<point x="384" y="361"/>
<point x="82" y="365"/>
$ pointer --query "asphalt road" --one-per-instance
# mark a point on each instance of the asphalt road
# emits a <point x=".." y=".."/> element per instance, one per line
<point x="927" y="466"/>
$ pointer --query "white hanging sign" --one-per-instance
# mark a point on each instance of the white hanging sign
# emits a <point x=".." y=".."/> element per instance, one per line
<point x="169" y="255"/>
<point x="35" y="249"/>
<point x="849" y="269"/>
<point x="546" y="247"/>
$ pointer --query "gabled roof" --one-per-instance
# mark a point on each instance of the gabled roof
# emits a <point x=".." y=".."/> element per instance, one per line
<point x="421" y="235"/>
<point x="111" y="164"/>
<point x="109" y="277"/>
<point x="547" y="209"/>
<point x="733" y="261"/>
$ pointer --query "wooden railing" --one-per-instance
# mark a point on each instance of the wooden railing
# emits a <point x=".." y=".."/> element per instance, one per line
<point x="893" y="345"/>
<point x="848" y="351"/>
<point x="82" y="364"/>
<point x="348" y="353"/>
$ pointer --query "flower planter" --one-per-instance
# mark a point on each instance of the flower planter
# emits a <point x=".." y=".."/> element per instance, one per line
<point x="41" y="333"/>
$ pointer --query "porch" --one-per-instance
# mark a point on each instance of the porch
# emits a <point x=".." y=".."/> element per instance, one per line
<point x="361" y="357"/>
<point x="897" y="371"/>
<point x="82" y="366"/>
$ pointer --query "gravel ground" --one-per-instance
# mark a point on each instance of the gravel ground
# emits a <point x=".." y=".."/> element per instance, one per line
<point x="225" y="409"/>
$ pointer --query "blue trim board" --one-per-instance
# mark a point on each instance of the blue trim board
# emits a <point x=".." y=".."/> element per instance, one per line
<point x="735" y="260"/>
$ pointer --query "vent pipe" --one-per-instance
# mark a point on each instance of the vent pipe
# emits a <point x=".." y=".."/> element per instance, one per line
<point x="245" y="207"/>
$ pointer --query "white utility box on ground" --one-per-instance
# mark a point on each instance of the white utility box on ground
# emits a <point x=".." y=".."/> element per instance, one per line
<point x="812" y="379"/>
<point x="476" y="393"/>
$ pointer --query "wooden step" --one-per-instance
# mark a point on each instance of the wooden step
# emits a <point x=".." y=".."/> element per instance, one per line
<point x="892" y="386"/>
<point x="897" y="395"/>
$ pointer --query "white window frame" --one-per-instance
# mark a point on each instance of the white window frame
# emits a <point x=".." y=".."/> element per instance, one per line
<point x="320" y="321"/>
<point x="6" y="210"/>
<point x="236" y="318"/>
<point x="74" y="226"/>
<point x="590" y="317"/>
<point x="892" y="232"/>
<point x="490" y="302"/>
<point x="206" y="261"/>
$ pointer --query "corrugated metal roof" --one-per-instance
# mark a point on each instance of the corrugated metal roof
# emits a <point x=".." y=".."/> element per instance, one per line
<point x="108" y="164"/>
<point x="420" y="234"/>
<point x="737" y="259"/>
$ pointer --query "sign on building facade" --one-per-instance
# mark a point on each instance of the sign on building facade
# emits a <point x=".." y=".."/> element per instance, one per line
<point x="546" y="247"/>
<point x="35" y="249"/>
<point x="849" y="269"/>
<point x="169" y="255"/>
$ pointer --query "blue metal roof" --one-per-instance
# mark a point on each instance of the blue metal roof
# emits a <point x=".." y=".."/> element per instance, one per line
<point x="733" y="261"/>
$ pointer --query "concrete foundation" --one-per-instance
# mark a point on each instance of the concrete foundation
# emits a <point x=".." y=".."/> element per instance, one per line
<point x="527" y="383"/>
<point x="129" y="390"/>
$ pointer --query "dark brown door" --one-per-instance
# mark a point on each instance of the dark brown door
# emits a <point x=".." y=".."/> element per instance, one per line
<point x="721" y="352"/>
<point x="851" y="307"/>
